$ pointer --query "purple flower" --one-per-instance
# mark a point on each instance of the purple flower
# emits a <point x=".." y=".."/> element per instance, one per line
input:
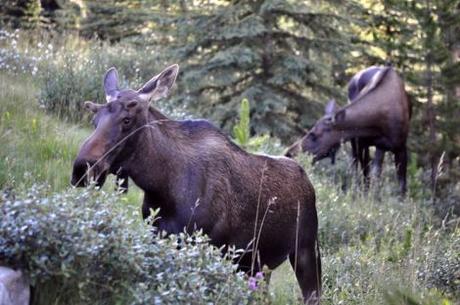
<point x="254" y="280"/>
<point x="252" y="283"/>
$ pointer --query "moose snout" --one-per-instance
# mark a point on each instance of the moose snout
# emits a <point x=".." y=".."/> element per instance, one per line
<point x="85" y="171"/>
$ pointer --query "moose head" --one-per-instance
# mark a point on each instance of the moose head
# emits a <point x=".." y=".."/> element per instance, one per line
<point x="323" y="139"/>
<point x="125" y="113"/>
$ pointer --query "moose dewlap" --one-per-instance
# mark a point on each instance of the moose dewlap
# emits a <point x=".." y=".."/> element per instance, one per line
<point x="199" y="179"/>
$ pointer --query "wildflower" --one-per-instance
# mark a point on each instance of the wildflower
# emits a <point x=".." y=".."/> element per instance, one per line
<point x="252" y="283"/>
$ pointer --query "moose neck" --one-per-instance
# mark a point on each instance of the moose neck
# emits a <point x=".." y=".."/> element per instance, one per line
<point x="151" y="164"/>
<point x="358" y="115"/>
<point x="350" y="133"/>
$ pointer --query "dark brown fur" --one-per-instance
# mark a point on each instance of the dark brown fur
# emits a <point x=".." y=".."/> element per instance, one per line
<point x="199" y="179"/>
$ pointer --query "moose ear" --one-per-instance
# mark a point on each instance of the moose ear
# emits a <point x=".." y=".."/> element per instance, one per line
<point x="111" y="84"/>
<point x="330" y="108"/>
<point x="159" y="86"/>
<point x="92" y="106"/>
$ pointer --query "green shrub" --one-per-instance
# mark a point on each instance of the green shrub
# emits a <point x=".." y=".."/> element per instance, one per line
<point x="83" y="246"/>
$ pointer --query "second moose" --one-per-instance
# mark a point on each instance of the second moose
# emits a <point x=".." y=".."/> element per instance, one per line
<point x="377" y="114"/>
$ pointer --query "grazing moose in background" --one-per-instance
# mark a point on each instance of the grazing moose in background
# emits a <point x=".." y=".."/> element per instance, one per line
<point x="377" y="114"/>
<point x="200" y="179"/>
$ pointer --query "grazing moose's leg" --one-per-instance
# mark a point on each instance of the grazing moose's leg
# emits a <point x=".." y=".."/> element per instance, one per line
<point x="361" y="152"/>
<point x="401" y="168"/>
<point x="354" y="153"/>
<point x="365" y="164"/>
<point x="377" y="162"/>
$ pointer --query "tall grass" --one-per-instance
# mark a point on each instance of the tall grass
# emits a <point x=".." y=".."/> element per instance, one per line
<point x="34" y="146"/>
<point x="375" y="244"/>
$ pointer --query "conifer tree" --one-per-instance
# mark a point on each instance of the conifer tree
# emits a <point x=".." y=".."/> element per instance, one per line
<point x="276" y="53"/>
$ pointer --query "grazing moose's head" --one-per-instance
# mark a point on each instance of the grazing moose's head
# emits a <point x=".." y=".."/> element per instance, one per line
<point x="125" y="112"/>
<point x="322" y="140"/>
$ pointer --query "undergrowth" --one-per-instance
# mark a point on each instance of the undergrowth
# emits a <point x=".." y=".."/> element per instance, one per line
<point x="82" y="247"/>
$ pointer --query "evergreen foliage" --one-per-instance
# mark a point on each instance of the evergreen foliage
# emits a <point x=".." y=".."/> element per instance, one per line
<point x="20" y="13"/>
<point x="275" y="53"/>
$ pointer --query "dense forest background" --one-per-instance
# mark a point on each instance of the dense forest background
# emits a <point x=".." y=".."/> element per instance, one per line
<point x="287" y="57"/>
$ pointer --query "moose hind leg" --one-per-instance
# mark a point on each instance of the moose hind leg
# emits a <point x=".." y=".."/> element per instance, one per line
<point x="307" y="267"/>
<point x="401" y="168"/>
<point x="365" y="165"/>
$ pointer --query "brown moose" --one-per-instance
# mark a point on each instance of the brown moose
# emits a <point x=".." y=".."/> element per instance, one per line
<point x="199" y="179"/>
<point x="377" y="114"/>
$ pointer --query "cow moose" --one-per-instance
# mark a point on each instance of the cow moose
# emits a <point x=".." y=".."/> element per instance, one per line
<point x="377" y="114"/>
<point x="199" y="179"/>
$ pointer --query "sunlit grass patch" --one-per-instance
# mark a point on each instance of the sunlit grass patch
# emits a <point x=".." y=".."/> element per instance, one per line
<point x="35" y="147"/>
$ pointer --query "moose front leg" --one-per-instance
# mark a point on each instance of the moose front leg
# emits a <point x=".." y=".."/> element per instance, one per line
<point x="377" y="163"/>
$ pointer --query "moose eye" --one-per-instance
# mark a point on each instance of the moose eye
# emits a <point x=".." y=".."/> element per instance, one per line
<point x="126" y="121"/>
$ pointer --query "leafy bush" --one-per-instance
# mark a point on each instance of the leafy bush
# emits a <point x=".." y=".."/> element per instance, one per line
<point x="81" y="247"/>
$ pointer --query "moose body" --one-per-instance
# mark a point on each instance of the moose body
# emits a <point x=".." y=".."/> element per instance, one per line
<point x="377" y="114"/>
<point x="199" y="179"/>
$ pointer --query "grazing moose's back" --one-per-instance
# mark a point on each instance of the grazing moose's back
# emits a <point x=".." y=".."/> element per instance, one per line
<point x="199" y="179"/>
<point x="378" y="115"/>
